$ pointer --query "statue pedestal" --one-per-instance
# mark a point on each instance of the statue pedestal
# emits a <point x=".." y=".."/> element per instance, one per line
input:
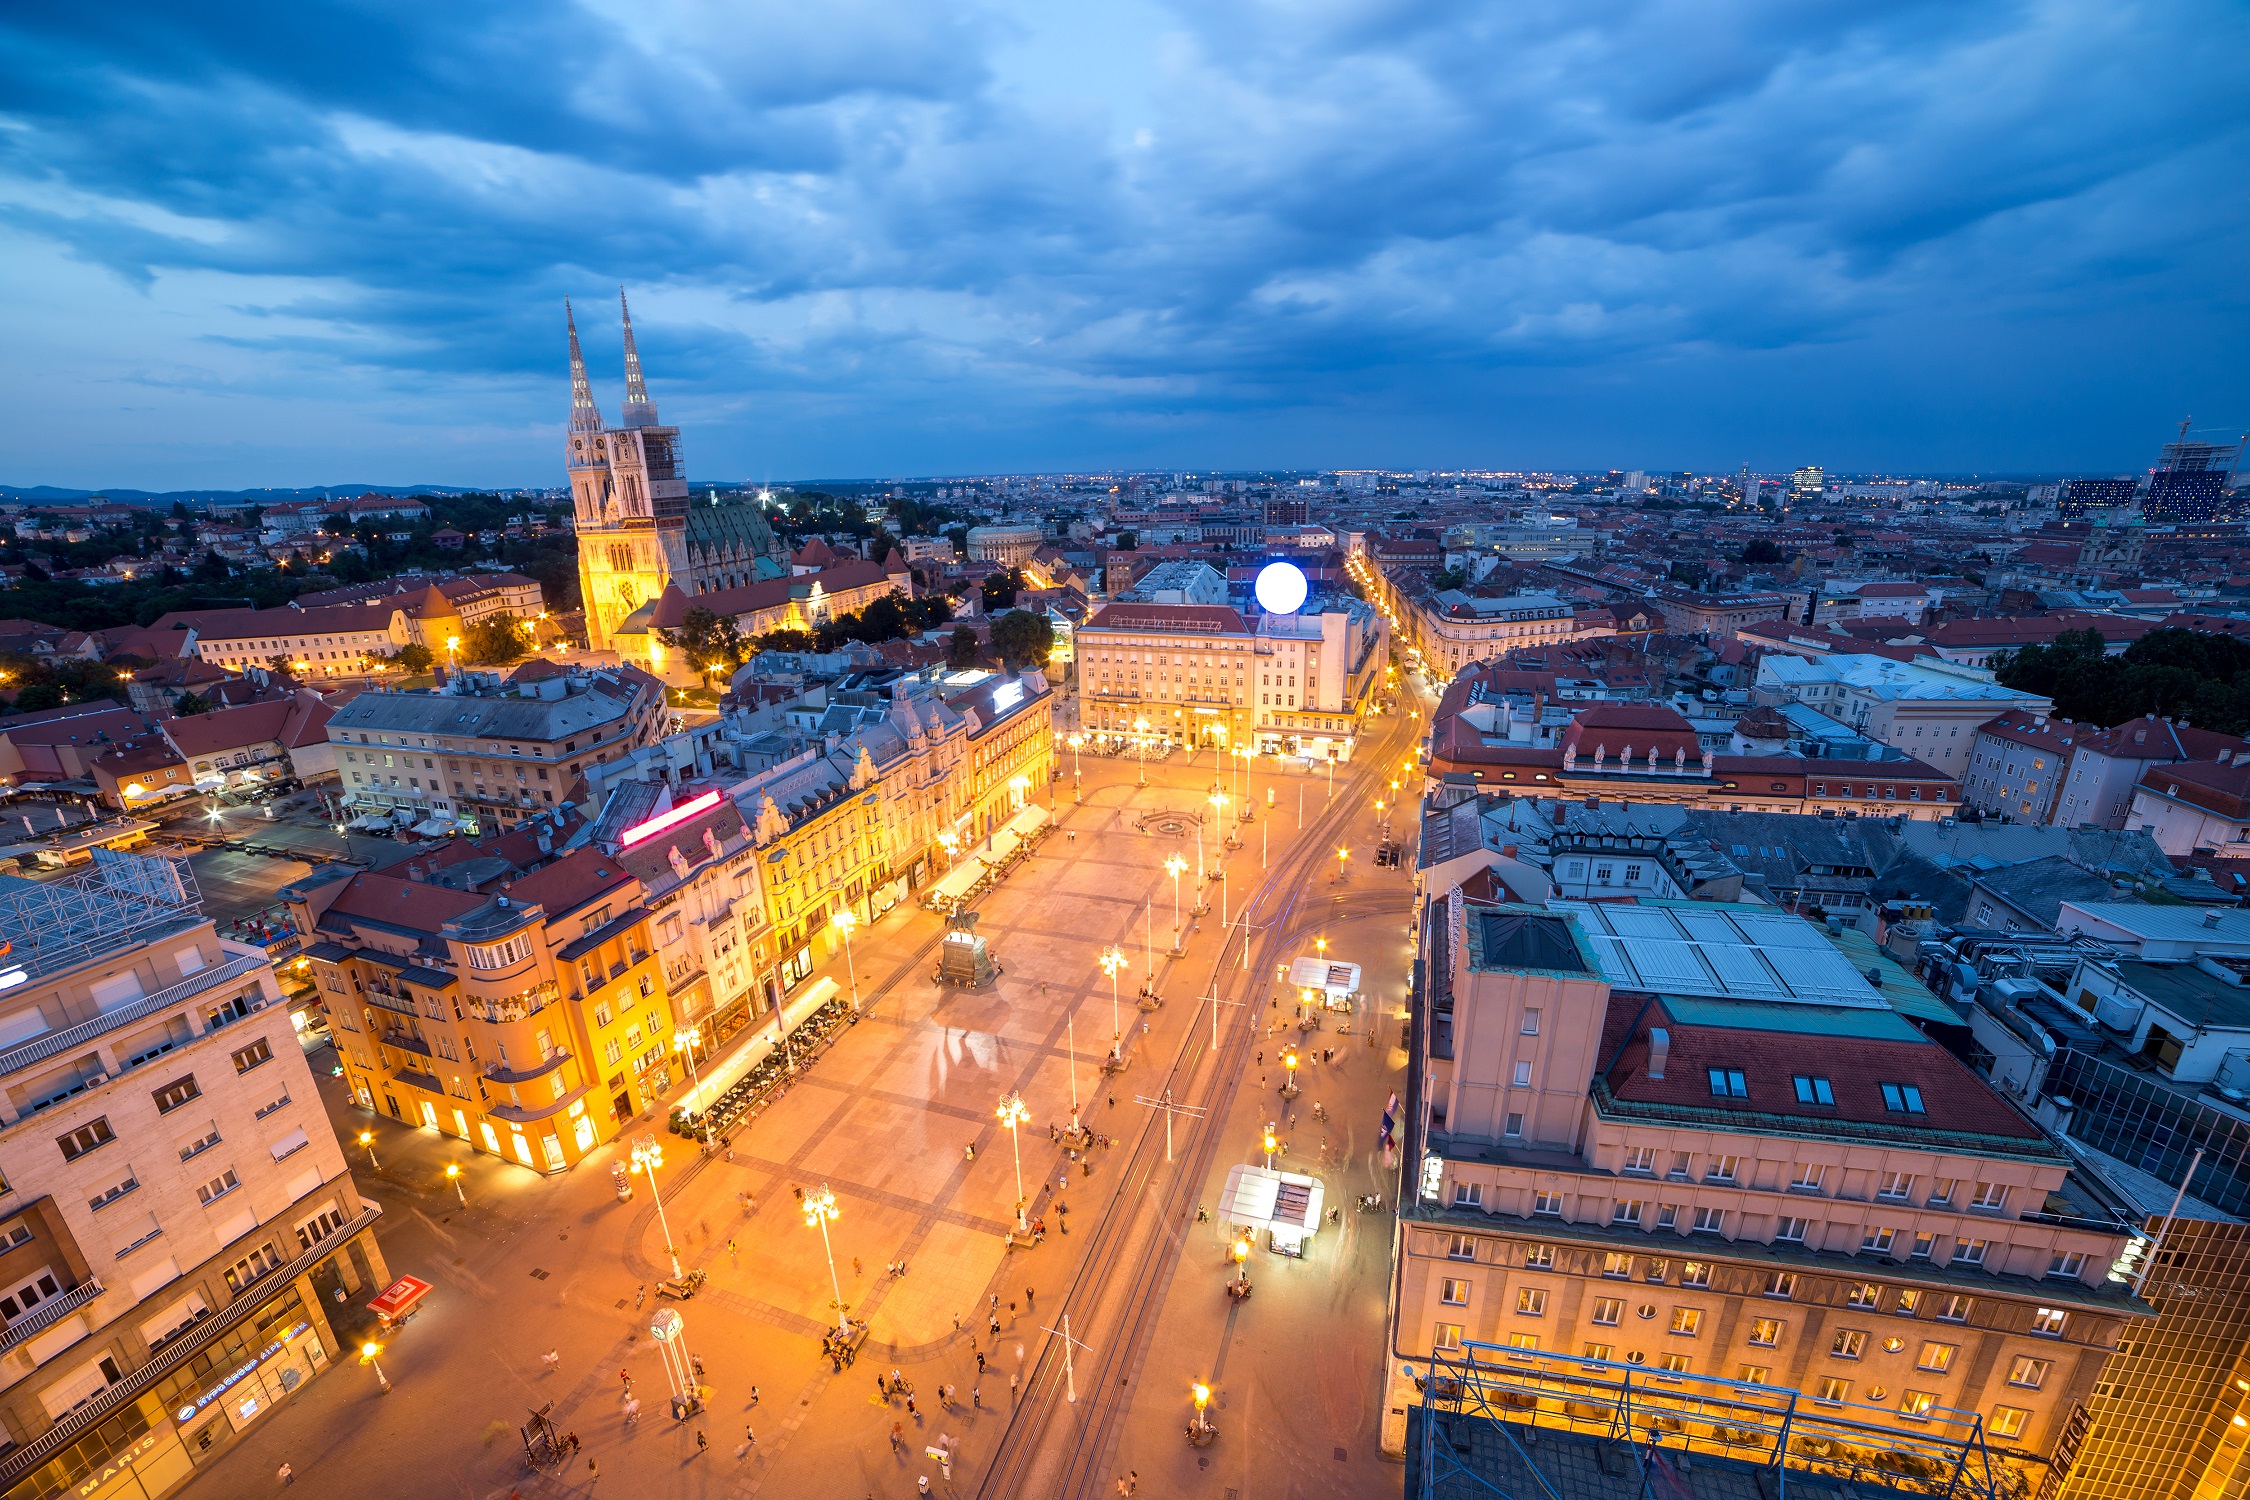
<point x="964" y="961"/>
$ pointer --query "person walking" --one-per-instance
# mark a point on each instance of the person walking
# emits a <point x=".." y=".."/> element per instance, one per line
<point x="1029" y="1297"/>
<point x="976" y="1397"/>
<point x="898" y="1434"/>
<point x="980" y="1361"/>
<point x="286" y="1475"/>
<point x="701" y="1442"/>
<point x="640" y="1296"/>
<point x="753" y="1395"/>
<point x="552" y="1359"/>
<point x="749" y="1436"/>
<point x="910" y="1411"/>
<point x="855" y="1265"/>
<point x="996" y="1328"/>
<point x="1011" y="1385"/>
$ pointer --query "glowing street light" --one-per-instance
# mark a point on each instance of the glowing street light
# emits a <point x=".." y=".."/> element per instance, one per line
<point x="1075" y="741"/>
<point x="1175" y="865"/>
<point x="1113" y="961"/>
<point x="844" y="921"/>
<point x="1342" y="855"/>
<point x="686" y="1042"/>
<point x="1140" y="732"/>
<point x="949" y="841"/>
<point x="820" y="1207"/>
<point x="1219" y="802"/>
<point x="648" y="1155"/>
<point x="367" y="1144"/>
<point x="367" y="1353"/>
<point x="453" y="1175"/>
<point x="1014" y="1112"/>
<point x="1289" y="1074"/>
<point x="1271" y="1145"/>
<point x="1202" y="1394"/>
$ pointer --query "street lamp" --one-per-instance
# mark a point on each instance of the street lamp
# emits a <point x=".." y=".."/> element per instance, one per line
<point x="1014" y="1112"/>
<point x="453" y="1175"/>
<point x="1140" y="733"/>
<point x="1112" y="961"/>
<point x="1289" y="1074"/>
<point x="844" y="921"/>
<point x="687" y="1041"/>
<point x="367" y="1353"/>
<point x="820" y="1207"/>
<point x="1342" y="854"/>
<point x="1203" y="1428"/>
<point x="367" y="1144"/>
<point x="949" y="841"/>
<point x="1175" y="865"/>
<point x="1271" y="1145"/>
<point x="1219" y="802"/>
<point x="1074" y="741"/>
<point x="647" y="1157"/>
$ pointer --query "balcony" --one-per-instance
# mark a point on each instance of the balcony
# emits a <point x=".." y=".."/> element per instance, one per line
<point x="498" y="1073"/>
<point x="72" y="1038"/>
<point x="406" y="1042"/>
<point x="500" y="1010"/>
<point x="50" y="1312"/>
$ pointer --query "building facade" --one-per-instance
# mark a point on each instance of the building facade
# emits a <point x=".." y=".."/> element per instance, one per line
<point x="176" y="1218"/>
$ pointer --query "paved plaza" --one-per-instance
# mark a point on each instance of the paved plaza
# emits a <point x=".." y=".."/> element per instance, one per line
<point x="887" y="1120"/>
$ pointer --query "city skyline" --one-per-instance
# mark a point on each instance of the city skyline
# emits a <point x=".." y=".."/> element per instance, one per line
<point x="271" y="253"/>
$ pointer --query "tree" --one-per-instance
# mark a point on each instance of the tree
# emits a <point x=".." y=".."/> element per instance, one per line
<point x="37" y="696"/>
<point x="337" y="525"/>
<point x="1001" y="588"/>
<point x="278" y="664"/>
<point x="959" y="537"/>
<point x="2202" y="678"/>
<point x="1762" y="551"/>
<point x="415" y="658"/>
<point x="494" y="641"/>
<point x="1126" y="541"/>
<point x="962" y="649"/>
<point x="709" y="641"/>
<point x="189" y="704"/>
<point x="1023" y="638"/>
<point x="784" y="640"/>
<point x="1450" y="578"/>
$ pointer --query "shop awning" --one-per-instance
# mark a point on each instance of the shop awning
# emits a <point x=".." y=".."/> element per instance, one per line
<point x="955" y="883"/>
<point x="1266" y="1199"/>
<point x="399" y="1298"/>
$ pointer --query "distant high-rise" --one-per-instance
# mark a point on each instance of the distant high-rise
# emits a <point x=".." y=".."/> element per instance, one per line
<point x="2081" y="496"/>
<point x="2189" y="482"/>
<point x="1808" y="481"/>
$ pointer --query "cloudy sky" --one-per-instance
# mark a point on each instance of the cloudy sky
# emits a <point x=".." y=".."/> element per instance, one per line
<point x="300" y="243"/>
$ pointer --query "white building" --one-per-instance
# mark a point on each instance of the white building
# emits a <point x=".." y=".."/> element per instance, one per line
<point x="1929" y="708"/>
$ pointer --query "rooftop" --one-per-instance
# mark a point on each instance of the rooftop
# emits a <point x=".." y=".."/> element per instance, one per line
<point x="1720" y="951"/>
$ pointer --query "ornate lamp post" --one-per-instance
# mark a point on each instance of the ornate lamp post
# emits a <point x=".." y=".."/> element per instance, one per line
<point x="686" y="1042"/>
<point x="844" y="921"/>
<point x="1014" y="1112"/>
<point x="367" y="1353"/>
<point x="1175" y="865"/>
<point x="1113" y="961"/>
<point x="820" y="1207"/>
<point x="453" y="1175"/>
<point x="367" y="1144"/>
<point x="647" y="1157"/>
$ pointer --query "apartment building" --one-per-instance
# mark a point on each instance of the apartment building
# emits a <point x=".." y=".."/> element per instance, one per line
<point x="1929" y="708"/>
<point x="2106" y="765"/>
<point x="1774" y="1179"/>
<point x="2192" y="805"/>
<point x="480" y="753"/>
<point x="2017" y="766"/>
<point x="336" y="640"/>
<point x="176" y="1218"/>
<point x="1187" y="673"/>
<point x="1319" y="673"/>
<point x="529" y="1021"/>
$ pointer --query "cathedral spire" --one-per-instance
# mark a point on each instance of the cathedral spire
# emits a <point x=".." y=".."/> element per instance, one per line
<point x="584" y="415"/>
<point x="639" y="410"/>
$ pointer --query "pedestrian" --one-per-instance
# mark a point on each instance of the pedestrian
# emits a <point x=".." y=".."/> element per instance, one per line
<point x="696" y="1360"/>
<point x="286" y="1475"/>
<point x="1011" y="1384"/>
<point x="976" y="1397"/>
<point x="748" y="1436"/>
<point x="1011" y="1312"/>
<point x="910" y="1411"/>
<point x="897" y="1384"/>
<point x="956" y="1322"/>
<point x="627" y="1377"/>
<point x="552" y="1359"/>
<point x="898" y="1439"/>
<point x="731" y="1254"/>
<point x="632" y="1412"/>
<point x="1121" y="1490"/>
<point x="855" y="1265"/>
<point x="996" y="1328"/>
<point x="1028" y="1294"/>
<point x="980" y="1361"/>
<point x="882" y="1388"/>
<point x="594" y="1469"/>
<point x="753" y="1395"/>
<point x="1132" y="1481"/>
<point x="995" y="1301"/>
<point x="573" y="1441"/>
<point x="701" y="1442"/>
<point x="972" y="1150"/>
<point x="640" y="1296"/>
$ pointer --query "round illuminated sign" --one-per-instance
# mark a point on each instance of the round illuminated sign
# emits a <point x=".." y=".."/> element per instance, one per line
<point x="1281" y="588"/>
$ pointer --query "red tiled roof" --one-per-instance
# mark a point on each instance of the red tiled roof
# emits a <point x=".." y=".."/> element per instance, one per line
<point x="402" y="903"/>
<point x="2224" y="790"/>
<point x="570" y="882"/>
<point x="2036" y="730"/>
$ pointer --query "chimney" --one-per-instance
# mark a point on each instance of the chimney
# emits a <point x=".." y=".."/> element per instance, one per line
<point x="2211" y="918"/>
<point x="1659" y="1048"/>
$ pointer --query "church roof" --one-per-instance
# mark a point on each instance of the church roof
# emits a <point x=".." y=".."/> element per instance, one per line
<point x="815" y="554"/>
<point x="742" y="524"/>
<point x="671" y="608"/>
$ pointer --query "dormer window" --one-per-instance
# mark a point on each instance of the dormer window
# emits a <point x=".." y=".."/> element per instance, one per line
<point x="1814" y="1090"/>
<point x="1902" y="1098"/>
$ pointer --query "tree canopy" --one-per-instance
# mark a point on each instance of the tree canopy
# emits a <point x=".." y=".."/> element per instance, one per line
<point x="1023" y="638"/>
<point x="494" y="641"/>
<point x="711" y="642"/>
<point x="2191" y="674"/>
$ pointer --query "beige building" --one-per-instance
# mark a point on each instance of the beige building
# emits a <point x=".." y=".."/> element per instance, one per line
<point x="177" y="1224"/>
<point x="1320" y="672"/>
<point x="1010" y="545"/>
<point x="1187" y="672"/>
<point x="1774" y="1180"/>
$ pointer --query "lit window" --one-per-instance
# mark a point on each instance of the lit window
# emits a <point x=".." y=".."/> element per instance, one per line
<point x="1833" y="1392"/>
<point x="1937" y="1358"/>
<point x="2049" y="1321"/>
<point x="1687" y="1321"/>
<point x="1609" y="1311"/>
<point x="1766" y="1333"/>
<point x="1454" y="1292"/>
<point x="1531" y="1302"/>
<point x="1916" y="1404"/>
<point x="1781" y="1283"/>
<point x="1614" y="1264"/>
<point x="2008" y="1421"/>
<point x="1864" y="1294"/>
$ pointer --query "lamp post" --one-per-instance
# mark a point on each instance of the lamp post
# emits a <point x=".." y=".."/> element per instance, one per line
<point x="1202" y="1426"/>
<point x="1112" y="961"/>
<point x="1174" y="865"/>
<point x="686" y="1042"/>
<point x="1271" y="1145"/>
<point x="1289" y="1074"/>
<point x="949" y="841"/>
<point x="367" y="1353"/>
<point x="820" y="1207"/>
<point x="1219" y="802"/>
<point x="844" y="921"/>
<point x="453" y="1175"/>
<point x="647" y="1157"/>
<point x="1070" y="1028"/>
<point x="1075" y="741"/>
<point x="1014" y="1112"/>
<point x="1342" y="854"/>
<point x="1140" y="735"/>
<point x="367" y="1144"/>
<point x="1248" y="753"/>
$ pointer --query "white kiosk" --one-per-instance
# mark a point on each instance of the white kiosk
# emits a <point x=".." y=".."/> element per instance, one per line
<point x="1325" y="982"/>
<point x="1286" y="1205"/>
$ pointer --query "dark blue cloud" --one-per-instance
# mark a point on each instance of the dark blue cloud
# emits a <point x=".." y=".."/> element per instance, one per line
<point x="268" y="242"/>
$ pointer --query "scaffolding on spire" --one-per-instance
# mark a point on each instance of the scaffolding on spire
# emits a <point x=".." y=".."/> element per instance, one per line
<point x="639" y="410"/>
<point x="584" y="415"/>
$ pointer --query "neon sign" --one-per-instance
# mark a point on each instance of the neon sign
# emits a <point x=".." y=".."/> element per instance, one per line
<point x="694" y="807"/>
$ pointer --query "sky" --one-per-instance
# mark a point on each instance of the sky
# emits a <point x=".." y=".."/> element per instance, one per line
<point x="311" y="243"/>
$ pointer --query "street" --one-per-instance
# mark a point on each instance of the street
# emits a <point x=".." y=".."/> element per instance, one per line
<point x="887" y="1120"/>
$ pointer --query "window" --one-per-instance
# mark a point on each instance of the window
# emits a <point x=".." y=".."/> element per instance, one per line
<point x="1814" y="1090"/>
<point x="1896" y="1185"/>
<point x="1531" y="1022"/>
<point x="1523" y="1075"/>
<point x="1925" y="1243"/>
<point x="1454" y="1291"/>
<point x="1468" y="1195"/>
<point x="1833" y="1392"/>
<point x="252" y="1056"/>
<point x="1695" y="1273"/>
<point x="2049" y="1322"/>
<point x="1531" y="1302"/>
<point x="1916" y="1404"/>
<point x="1710" y="1220"/>
<point x="1781" y="1283"/>
<point x="2008" y="1421"/>
<point x="1640" y="1159"/>
<point x="1667" y="1215"/>
<point x="1600" y="1351"/>
<point x="2067" y="1263"/>
<point x="1808" y="1179"/>
<point x="1791" y="1231"/>
<point x="218" y="1187"/>
<point x="1728" y="1083"/>
<point x="1909" y="1300"/>
<point x="1614" y="1264"/>
<point x="1687" y="1322"/>
<point x="1878" y="1241"/>
<point x="1902" y="1098"/>
<point x="1954" y="1309"/>
<point x="1461" y="1247"/>
<point x="1515" y="1124"/>
<point x="1849" y="1343"/>
<point x="2029" y="1373"/>
<point x="252" y="1266"/>
<point x="1937" y="1358"/>
<point x="1991" y="1196"/>
<point x="1627" y="1211"/>
<point x="1864" y="1294"/>
<point x="1448" y="1336"/>
<point x="1941" y="1192"/>
<point x="1753" y="1374"/>
<point x="500" y="955"/>
<point x="85" y="1138"/>
<point x="1609" y="1311"/>
<point x="1679" y="1172"/>
<point x="1676" y="1364"/>
<point x="1547" y="1203"/>
<point x="1766" y="1333"/>
<point x="175" y="1094"/>
<point x="1970" y="1252"/>
<point x="1542" y="1256"/>
<point x="1722" y="1169"/>
<point x="1523" y="1341"/>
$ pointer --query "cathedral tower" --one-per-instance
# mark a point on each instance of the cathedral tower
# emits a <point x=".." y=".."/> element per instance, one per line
<point x="629" y="490"/>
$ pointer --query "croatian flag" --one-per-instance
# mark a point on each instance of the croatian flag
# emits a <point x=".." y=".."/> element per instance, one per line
<point x="1390" y="1123"/>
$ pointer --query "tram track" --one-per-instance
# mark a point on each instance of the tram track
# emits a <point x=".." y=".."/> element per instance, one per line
<point x="1147" y="1246"/>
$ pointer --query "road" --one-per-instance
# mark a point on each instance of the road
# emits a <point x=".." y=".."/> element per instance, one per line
<point x="887" y="1119"/>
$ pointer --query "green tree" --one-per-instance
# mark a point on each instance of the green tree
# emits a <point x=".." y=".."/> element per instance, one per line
<point x="962" y="649"/>
<point x="1000" y="589"/>
<point x="1023" y="638"/>
<point x="337" y="525"/>
<point x="1762" y="551"/>
<point x="494" y="641"/>
<point x="1450" y="578"/>
<point x="188" y="705"/>
<point x="278" y="664"/>
<point x="784" y="640"/>
<point x="415" y="658"/>
<point x="711" y="642"/>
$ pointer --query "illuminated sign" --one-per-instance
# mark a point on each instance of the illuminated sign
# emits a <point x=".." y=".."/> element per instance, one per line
<point x="694" y="807"/>
<point x="1281" y="588"/>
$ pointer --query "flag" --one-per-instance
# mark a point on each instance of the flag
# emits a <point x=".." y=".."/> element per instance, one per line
<point x="1665" y="1482"/>
<point x="1390" y="1123"/>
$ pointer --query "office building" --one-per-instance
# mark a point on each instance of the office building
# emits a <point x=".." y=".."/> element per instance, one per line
<point x="2079" y="498"/>
<point x="1774" y="1179"/>
<point x="2190" y="483"/>
<point x="176" y="1219"/>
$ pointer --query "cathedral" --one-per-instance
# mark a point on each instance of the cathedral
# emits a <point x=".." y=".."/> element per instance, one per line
<point x="637" y="529"/>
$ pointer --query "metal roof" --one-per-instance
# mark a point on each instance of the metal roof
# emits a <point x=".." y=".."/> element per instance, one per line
<point x="1720" y="951"/>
